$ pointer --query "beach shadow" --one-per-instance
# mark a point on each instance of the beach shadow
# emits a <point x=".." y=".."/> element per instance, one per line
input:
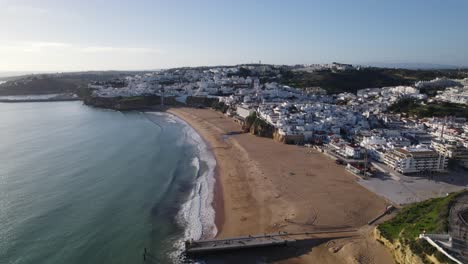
<point x="232" y="133"/>
<point x="267" y="254"/>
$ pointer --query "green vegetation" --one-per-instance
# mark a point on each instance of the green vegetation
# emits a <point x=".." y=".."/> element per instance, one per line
<point x="220" y="106"/>
<point x="351" y="81"/>
<point x="417" y="108"/>
<point x="244" y="72"/>
<point x="430" y="216"/>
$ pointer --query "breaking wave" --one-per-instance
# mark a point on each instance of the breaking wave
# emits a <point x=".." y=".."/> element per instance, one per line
<point x="197" y="214"/>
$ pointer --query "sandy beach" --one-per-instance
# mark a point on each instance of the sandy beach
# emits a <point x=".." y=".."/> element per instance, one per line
<point x="264" y="187"/>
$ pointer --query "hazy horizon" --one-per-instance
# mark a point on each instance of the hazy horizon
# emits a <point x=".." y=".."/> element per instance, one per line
<point x="63" y="36"/>
<point x="401" y="65"/>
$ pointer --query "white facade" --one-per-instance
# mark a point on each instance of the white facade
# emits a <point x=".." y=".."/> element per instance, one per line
<point x="244" y="112"/>
<point x="352" y="151"/>
<point x="415" y="160"/>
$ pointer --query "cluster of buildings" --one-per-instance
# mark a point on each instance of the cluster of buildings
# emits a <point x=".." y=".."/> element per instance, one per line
<point x="437" y="83"/>
<point x="139" y="85"/>
<point x="359" y="127"/>
<point x="221" y="81"/>
<point x="455" y="94"/>
<point x="351" y="126"/>
<point x="335" y="66"/>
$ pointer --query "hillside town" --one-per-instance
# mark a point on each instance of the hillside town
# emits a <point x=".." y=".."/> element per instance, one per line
<point x="353" y="128"/>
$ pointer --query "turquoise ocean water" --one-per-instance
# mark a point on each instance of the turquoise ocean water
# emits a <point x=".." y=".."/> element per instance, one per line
<point x="86" y="185"/>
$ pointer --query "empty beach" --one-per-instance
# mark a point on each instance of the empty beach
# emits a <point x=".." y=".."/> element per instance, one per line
<point x="265" y="187"/>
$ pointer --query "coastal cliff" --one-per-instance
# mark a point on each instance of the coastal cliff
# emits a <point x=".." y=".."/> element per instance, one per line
<point x="401" y="253"/>
<point x="257" y="126"/>
<point x="262" y="129"/>
<point x="139" y="102"/>
<point x="288" y="139"/>
<point x="128" y="103"/>
<point x="200" y="101"/>
<point x="401" y="233"/>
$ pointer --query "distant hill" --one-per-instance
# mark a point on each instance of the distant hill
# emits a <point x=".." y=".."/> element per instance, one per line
<point x="415" y="66"/>
<point x="351" y="81"/>
<point x="331" y="81"/>
<point x="440" y="109"/>
<point x="6" y="74"/>
<point x="70" y="82"/>
<point x="42" y="85"/>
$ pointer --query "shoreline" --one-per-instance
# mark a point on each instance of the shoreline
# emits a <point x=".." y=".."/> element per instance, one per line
<point x="228" y="221"/>
<point x="218" y="199"/>
<point x="206" y="207"/>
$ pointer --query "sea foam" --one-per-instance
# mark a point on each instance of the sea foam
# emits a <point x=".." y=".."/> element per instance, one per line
<point x="197" y="214"/>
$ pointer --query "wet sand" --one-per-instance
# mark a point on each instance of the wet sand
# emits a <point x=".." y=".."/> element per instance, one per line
<point x="266" y="187"/>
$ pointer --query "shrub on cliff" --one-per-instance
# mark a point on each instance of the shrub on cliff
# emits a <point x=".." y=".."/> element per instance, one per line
<point x="220" y="106"/>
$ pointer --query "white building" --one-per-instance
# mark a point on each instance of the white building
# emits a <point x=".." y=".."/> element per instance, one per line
<point x="452" y="149"/>
<point x="457" y="95"/>
<point x="415" y="160"/>
<point x="352" y="151"/>
<point x="244" y="111"/>
<point x="437" y="83"/>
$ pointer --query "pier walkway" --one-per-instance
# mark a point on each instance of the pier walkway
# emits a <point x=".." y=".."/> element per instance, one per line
<point x="237" y="243"/>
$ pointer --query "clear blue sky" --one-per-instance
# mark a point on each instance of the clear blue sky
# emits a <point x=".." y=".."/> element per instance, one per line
<point x="63" y="35"/>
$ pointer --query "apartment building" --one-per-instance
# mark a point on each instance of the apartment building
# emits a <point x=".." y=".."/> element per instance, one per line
<point x="415" y="160"/>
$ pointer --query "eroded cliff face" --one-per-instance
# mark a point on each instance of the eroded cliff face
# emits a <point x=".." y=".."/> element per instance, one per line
<point x="290" y="139"/>
<point x="200" y="101"/>
<point x="279" y="138"/>
<point x="258" y="127"/>
<point x="99" y="101"/>
<point x="262" y="129"/>
<point x="140" y="102"/>
<point x="401" y="253"/>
